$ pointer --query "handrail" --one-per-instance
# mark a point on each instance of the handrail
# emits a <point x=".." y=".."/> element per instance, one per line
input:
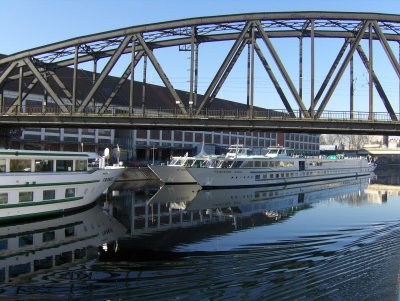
<point x="123" y="111"/>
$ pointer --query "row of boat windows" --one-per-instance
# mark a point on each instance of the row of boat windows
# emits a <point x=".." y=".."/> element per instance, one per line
<point x="13" y="271"/>
<point x="27" y="196"/>
<point x="305" y="173"/>
<point x="27" y="239"/>
<point x="251" y="164"/>
<point x="42" y="165"/>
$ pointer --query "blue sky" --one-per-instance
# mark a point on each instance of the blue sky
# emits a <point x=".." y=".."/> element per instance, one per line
<point x="26" y="24"/>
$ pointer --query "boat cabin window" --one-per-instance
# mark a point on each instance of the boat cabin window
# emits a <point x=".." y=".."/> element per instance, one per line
<point x="236" y="164"/>
<point x="80" y="165"/>
<point x="69" y="231"/>
<point x="49" y="236"/>
<point x="3" y="244"/>
<point x="69" y="192"/>
<point x="2" y="165"/>
<point x="25" y="240"/>
<point x="64" y="165"/>
<point x="49" y="195"/>
<point x="198" y="163"/>
<point x="178" y="162"/>
<point x="20" y="165"/>
<point x="188" y="163"/>
<point x="4" y="198"/>
<point x="43" y="165"/>
<point x="273" y="151"/>
<point x="225" y="164"/>
<point x="26" y="196"/>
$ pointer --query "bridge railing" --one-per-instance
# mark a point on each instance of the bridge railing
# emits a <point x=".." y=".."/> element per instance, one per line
<point x="123" y="111"/>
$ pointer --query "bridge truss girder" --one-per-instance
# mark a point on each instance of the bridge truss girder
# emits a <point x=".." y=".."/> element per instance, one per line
<point x="40" y="65"/>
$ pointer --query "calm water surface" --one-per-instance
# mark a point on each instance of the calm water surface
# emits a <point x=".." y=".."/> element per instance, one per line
<point x="336" y="240"/>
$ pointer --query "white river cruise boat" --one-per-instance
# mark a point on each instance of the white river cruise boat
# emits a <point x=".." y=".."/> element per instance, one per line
<point x="38" y="183"/>
<point x="277" y="167"/>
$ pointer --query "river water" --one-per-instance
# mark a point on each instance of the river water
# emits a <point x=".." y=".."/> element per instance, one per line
<point x="337" y="240"/>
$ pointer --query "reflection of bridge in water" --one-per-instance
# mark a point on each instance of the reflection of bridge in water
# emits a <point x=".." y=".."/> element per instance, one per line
<point x="53" y="71"/>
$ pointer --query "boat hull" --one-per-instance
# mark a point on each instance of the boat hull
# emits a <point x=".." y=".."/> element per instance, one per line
<point x="172" y="174"/>
<point x="70" y="191"/>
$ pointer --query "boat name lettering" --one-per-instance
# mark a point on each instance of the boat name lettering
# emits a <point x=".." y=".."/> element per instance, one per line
<point x="108" y="179"/>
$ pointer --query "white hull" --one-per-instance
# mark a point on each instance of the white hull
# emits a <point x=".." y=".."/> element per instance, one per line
<point x="172" y="174"/>
<point x="87" y="187"/>
<point x="243" y="177"/>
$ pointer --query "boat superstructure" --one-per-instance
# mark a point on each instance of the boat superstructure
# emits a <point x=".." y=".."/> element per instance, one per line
<point x="277" y="167"/>
<point x="175" y="171"/>
<point x="37" y="183"/>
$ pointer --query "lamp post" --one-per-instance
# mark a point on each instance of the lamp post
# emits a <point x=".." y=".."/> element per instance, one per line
<point x="153" y="149"/>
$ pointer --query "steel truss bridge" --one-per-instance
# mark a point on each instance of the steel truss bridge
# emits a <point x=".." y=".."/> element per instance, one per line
<point x="39" y="68"/>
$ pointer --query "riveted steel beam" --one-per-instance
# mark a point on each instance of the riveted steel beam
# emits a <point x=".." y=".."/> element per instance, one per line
<point x="208" y="38"/>
<point x="45" y="85"/>
<point x="7" y="71"/>
<point x="110" y="64"/>
<point x="161" y="73"/>
<point x="342" y="68"/>
<point x="386" y="47"/>
<point x="247" y="17"/>
<point x="377" y="84"/>
<point x="122" y="80"/>
<point x="223" y="68"/>
<point x="21" y="96"/>
<point x="227" y="72"/>
<point x="59" y="82"/>
<point x="282" y="69"/>
<point x="330" y="73"/>
<point x="274" y="80"/>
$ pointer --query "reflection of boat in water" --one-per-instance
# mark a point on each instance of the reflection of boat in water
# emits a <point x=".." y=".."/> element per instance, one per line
<point x="43" y="244"/>
<point x="270" y="200"/>
<point x="164" y="222"/>
<point x="38" y="183"/>
<point x="177" y="206"/>
<point x="176" y="195"/>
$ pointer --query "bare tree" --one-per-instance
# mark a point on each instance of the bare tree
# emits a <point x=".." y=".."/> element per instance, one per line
<point x="345" y="141"/>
